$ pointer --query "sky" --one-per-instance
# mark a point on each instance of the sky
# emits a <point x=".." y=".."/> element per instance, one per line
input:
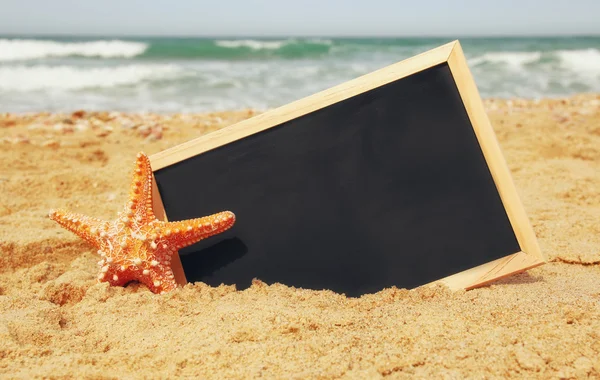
<point x="300" y="17"/>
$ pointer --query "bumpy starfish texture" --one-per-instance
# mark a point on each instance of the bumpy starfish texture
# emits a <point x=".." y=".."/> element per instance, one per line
<point x="137" y="246"/>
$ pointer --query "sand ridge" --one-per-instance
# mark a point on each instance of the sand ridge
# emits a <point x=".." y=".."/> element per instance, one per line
<point x="57" y="322"/>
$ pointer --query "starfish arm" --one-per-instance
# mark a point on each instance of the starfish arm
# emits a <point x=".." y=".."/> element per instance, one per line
<point x="158" y="278"/>
<point x="187" y="232"/>
<point x="140" y="194"/>
<point x="159" y="281"/>
<point x="83" y="226"/>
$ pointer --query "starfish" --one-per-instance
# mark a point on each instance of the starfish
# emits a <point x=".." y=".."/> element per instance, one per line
<point x="137" y="246"/>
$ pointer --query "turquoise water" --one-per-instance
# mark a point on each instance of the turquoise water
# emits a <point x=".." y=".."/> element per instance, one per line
<point x="201" y="74"/>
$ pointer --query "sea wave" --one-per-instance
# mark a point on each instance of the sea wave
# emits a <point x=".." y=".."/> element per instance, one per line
<point x="208" y="74"/>
<point x="265" y="49"/>
<point x="186" y="48"/>
<point x="42" y="77"/>
<point x="28" y="49"/>
<point x="516" y="59"/>
<point x="586" y="61"/>
<point x="252" y="44"/>
<point x="269" y="45"/>
<point x="237" y="49"/>
<point x="582" y="61"/>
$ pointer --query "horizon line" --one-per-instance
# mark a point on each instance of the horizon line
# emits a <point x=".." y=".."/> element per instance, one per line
<point x="357" y="36"/>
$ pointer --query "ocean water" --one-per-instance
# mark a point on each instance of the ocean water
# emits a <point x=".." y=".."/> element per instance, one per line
<point x="208" y="74"/>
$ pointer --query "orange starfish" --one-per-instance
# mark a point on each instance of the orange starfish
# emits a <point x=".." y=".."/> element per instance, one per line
<point x="137" y="246"/>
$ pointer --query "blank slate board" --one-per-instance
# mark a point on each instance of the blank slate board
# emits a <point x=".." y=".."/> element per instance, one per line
<point x="392" y="179"/>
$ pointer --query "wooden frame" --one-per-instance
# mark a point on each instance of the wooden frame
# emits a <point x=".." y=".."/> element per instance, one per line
<point x="528" y="257"/>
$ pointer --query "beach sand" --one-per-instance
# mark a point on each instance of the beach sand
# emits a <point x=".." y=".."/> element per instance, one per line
<point x="57" y="322"/>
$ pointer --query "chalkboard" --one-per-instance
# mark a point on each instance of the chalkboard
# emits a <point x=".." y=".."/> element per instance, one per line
<point x="393" y="179"/>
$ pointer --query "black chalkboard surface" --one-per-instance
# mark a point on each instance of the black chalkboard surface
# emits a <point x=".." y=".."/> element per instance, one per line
<point x="389" y="186"/>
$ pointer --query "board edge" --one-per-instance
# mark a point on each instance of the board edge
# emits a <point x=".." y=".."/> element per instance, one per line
<point x="490" y="272"/>
<point x="493" y="155"/>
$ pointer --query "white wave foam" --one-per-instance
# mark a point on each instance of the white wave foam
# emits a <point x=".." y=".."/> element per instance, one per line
<point x="513" y="59"/>
<point x="321" y="41"/>
<point x="18" y="49"/>
<point x="32" y="78"/>
<point x="586" y="61"/>
<point x="252" y="44"/>
<point x="267" y="45"/>
<point x="583" y="61"/>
